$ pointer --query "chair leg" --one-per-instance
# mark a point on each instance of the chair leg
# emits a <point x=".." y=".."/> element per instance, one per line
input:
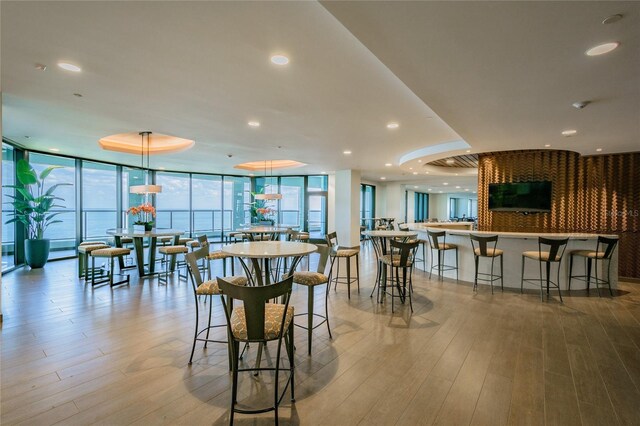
<point x="457" y="264"/>
<point x="522" y="277"/>
<point x="326" y="311"/>
<point x="210" y="300"/>
<point x="589" y="277"/>
<point x="310" y="296"/>
<point x="358" y="271"/>
<point x="570" y="272"/>
<point x="111" y="272"/>
<point x="348" y="259"/>
<point x="234" y="383"/>
<point x="501" y="273"/>
<point x="475" y="278"/>
<point x="195" y="333"/>
<point x="558" y="283"/>
<point x="292" y="361"/>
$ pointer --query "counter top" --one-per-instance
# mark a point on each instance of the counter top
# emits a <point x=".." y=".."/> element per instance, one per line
<point x="523" y="235"/>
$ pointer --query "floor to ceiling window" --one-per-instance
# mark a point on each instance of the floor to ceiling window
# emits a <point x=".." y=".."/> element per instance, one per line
<point x="206" y="205"/>
<point x="421" y="207"/>
<point x="367" y="204"/>
<point x="62" y="234"/>
<point x="317" y="206"/>
<point x="173" y="203"/>
<point x="236" y="201"/>
<point x="99" y="209"/>
<point x="8" y="231"/>
<point x="292" y="202"/>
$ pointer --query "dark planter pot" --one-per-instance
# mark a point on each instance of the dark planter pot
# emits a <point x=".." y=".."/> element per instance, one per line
<point x="36" y="252"/>
<point x="148" y="226"/>
<point x="266" y="222"/>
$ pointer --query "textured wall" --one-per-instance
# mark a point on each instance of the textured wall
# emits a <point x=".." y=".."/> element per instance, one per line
<point x="597" y="194"/>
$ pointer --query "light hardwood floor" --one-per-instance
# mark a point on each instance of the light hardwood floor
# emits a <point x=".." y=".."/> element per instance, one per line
<point x="76" y="355"/>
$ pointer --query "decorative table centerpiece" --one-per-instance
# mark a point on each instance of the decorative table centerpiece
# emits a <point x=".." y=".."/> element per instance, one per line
<point x="145" y="215"/>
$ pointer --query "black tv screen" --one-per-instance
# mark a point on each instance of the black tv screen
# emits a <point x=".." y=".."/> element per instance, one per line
<point x="520" y="196"/>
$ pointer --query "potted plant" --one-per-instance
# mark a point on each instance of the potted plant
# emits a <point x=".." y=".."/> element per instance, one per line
<point x="145" y="214"/>
<point x="32" y="207"/>
<point x="260" y="213"/>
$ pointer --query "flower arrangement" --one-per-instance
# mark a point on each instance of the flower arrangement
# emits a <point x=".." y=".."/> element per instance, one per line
<point x="145" y="215"/>
<point x="263" y="213"/>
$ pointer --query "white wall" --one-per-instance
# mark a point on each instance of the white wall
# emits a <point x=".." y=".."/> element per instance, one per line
<point x="347" y="207"/>
<point x="331" y="203"/>
<point x="411" y="206"/>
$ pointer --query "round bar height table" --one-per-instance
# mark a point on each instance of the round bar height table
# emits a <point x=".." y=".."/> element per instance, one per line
<point x="138" y="237"/>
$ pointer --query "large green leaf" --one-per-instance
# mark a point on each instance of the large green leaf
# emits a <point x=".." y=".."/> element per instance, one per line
<point x="48" y="170"/>
<point x="26" y="174"/>
<point x="53" y="188"/>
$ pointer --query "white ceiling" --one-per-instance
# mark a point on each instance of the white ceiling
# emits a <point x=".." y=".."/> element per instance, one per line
<point x="502" y="75"/>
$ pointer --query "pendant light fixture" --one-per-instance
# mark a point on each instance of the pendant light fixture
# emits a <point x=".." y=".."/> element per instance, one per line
<point x="146" y="188"/>
<point x="271" y="195"/>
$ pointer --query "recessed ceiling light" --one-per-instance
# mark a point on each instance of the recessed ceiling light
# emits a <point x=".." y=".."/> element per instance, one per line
<point x="388" y="165"/>
<point x="393" y="126"/>
<point x="570" y="132"/>
<point x="415" y="173"/>
<point x="254" y="123"/>
<point x="599" y="149"/>
<point x="419" y="161"/>
<point x="383" y="178"/>
<point x="457" y="187"/>
<point x="426" y="173"/>
<point x="475" y="192"/>
<point x="601" y="49"/>
<point x="323" y="173"/>
<point x="279" y="59"/>
<point x="613" y="18"/>
<point x="430" y="189"/>
<point x="548" y="145"/>
<point x="451" y="161"/>
<point x="54" y="149"/>
<point x="468" y="150"/>
<point x="347" y="152"/>
<point x="440" y="192"/>
<point x="415" y="187"/>
<point x="466" y="189"/>
<point x="445" y="183"/>
<point x="69" y="67"/>
<point x="410" y="168"/>
<point x="456" y="174"/>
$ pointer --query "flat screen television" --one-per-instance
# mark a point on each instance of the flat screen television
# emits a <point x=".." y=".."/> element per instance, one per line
<point x="526" y="197"/>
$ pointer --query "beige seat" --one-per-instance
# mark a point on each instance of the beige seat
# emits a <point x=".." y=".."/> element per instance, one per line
<point x="219" y="255"/>
<point x="272" y="321"/>
<point x="91" y="243"/>
<point x="211" y="287"/>
<point x="165" y="240"/>
<point x="184" y="240"/>
<point x="173" y="252"/>
<point x="110" y="253"/>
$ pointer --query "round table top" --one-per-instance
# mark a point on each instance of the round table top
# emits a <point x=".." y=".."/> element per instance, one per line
<point x="390" y="234"/>
<point x="155" y="232"/>
<point x="266" y="229"/>
<point x="268" y="249"/>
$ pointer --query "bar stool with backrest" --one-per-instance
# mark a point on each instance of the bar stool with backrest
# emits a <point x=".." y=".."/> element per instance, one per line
<point x="311" y="280"/>
<point x="336" y="254"/>
<point x="552" y="253"/>
<point x="486" y="246"/>
<point x="259" y="321"/>
<point x="421" y="243"/>
<point x="604" y="251"/>
<point x="401" y="256"/>
<point x="208" y="289"/>
<point x="438" y="242"/>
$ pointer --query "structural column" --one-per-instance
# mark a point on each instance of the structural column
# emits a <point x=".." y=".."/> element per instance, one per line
<point x="347" y="207"/>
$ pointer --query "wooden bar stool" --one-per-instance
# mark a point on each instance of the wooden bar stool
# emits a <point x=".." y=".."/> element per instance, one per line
<point x="482" y="247"/>
<point x="604" y="250"/>
<point x="552" y="253"/>
<point x="336" y="254"/>
<point x="109" y="253"/>
<point x="438" y="242"/>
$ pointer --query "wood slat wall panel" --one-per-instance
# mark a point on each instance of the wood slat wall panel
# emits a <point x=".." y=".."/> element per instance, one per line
<point x="599" y="194"/>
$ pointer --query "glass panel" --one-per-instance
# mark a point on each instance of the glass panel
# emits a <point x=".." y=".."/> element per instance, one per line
<point x="317" y="183"/>
<point x="267" y="185"/>
<point x="98" y="200"/>
<point x="292" y="203"/>
<point x="237" y="202"/>
<point x="206" y="198"/>
<point x="172" y="204"/>
<point x="8" y="231"/>
<point x="317" y="215"/>
<point x="62" y="235"/>
<point x="132" y="177"/>
<point x="367" y="204"/>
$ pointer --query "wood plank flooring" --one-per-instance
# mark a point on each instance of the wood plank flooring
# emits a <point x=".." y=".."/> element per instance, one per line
<point x="74" y="355"/>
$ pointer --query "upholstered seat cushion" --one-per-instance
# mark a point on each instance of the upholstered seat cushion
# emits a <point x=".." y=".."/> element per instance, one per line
<point x="544" y="256"/>
<point x="110" y="252"/>
<point x="91" y="247"/>
<point x="166" y="239"/>
<point x="184" y="240"/>
<point x="194" y="244"/>
<point x="309" y="278"/>
<point x="92" y="243"/>
<point x="272" y="319"/>
<point x="126" y="240"/>
<point x="447" y="246"/>
<point x="491" y="252"/>
<point x="386" y="259"/>
<point x="303" y="236"/>
<point x="173" y="250"/>
<point x="345" y="252"/>
<point x="211" y="286"/>
<point x="588" y="253"/>
<point x="217" y="255"/>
